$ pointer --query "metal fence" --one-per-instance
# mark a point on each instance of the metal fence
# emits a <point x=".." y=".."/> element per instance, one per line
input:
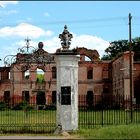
<point x="107" y="110"/>
<point x="19" y="116"/>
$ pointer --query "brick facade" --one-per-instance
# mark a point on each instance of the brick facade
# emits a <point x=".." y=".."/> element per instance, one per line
<point x="95" y="76"/>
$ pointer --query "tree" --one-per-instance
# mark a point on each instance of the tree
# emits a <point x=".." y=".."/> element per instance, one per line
<point x="40" y="78"/>
<point x="117" y="47"/>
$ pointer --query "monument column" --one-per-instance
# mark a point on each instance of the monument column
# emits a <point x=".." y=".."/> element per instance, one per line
<point x="67" y="84"/>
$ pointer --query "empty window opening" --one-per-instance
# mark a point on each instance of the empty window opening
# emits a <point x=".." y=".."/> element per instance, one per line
<point x="26" y="74"/>
<point x="40" y="98"/>
<point x="5" y="75"/>
<point x="25" y="96"/>
<point x="40" y="76"/>
<point x="54" y="72"/>
<point x="87" y="58"/>
<point x="54" y="97"/>
<point x="9" y="75"/>
<point x="7" y="96"/>
<point x="106" y="89"/>
<point x="89" y="99"/>
<point x="89" y="73"/>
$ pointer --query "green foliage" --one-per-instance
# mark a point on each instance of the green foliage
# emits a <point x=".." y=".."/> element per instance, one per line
<point x="40" y="78"/>
<point x="2" y="106"/>
<point x="50" y="107"/>
<point x="22" y="106"/>
<point x="117" y="47"/>
<point x="106" y="57"/>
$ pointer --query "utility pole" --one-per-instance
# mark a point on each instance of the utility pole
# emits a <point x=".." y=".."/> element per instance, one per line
<point x="130" y="65"/>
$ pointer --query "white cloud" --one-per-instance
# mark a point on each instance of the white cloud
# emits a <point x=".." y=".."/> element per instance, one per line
<point x="5" y="3"/>
<point x="49" y="33"/>
<point x="53" y="43"/>
<point x="24" y="30"/>
<point x="87" y="41"/>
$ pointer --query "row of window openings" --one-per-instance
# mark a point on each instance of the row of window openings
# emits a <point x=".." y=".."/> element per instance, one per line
<point x="26" y="74"/>
<point x="40" y="74"/>
<point x="90" y="74"/>
<point x="41" y="99"/>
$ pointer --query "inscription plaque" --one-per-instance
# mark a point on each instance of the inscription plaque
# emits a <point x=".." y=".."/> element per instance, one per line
<point x="66" y="95"/>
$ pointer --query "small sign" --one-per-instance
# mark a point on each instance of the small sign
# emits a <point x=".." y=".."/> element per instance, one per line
<point x="66" y="95"/>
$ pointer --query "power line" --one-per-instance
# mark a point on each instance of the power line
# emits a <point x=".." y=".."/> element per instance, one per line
<point x="101" y="20"/>
<point x="74" y="21"/>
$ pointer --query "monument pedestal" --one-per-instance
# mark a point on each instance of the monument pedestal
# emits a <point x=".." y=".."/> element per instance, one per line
<point x="67" y="91"/>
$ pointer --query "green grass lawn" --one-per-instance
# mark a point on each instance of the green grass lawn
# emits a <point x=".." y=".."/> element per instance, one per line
<point x="30" y="121"/>
<point x="41" y="121"/>
<point x="90" y="119"/>
<point x="29" y="117"/>
<point x="131" y="131"/>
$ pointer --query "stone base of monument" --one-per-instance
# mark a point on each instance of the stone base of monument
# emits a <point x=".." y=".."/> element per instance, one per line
<point x="59" y="130"/>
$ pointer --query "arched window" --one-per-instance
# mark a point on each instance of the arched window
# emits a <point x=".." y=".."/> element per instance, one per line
<point x="87" y="58"/>
<point x="26" y="74"/>
<point x="89" y="73"/>
<point x="40" y="76"/>
<point x="54" y="72"/>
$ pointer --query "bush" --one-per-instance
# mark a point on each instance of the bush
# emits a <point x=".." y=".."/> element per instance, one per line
<point x="2" y="106"/>
<point x="22" y="106"/>
<point x="50" y="107"/>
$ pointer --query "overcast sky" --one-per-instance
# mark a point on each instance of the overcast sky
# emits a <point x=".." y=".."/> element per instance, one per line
<point x="93" y="24"/>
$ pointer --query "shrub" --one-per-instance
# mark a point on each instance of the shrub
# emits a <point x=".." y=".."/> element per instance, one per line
<point x="2" y="106"/>
<point x="22" y="106"/>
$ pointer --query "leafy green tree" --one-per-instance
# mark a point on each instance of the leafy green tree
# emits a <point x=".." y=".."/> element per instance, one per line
<point x="40" y="78"/>
<point x="117" y="47"/>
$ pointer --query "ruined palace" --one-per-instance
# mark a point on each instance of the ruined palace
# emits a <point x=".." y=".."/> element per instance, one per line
<point x="95" y="76"/>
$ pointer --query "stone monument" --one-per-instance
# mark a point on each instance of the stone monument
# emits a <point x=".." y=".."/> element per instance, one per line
<point x="67" y="84"/>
